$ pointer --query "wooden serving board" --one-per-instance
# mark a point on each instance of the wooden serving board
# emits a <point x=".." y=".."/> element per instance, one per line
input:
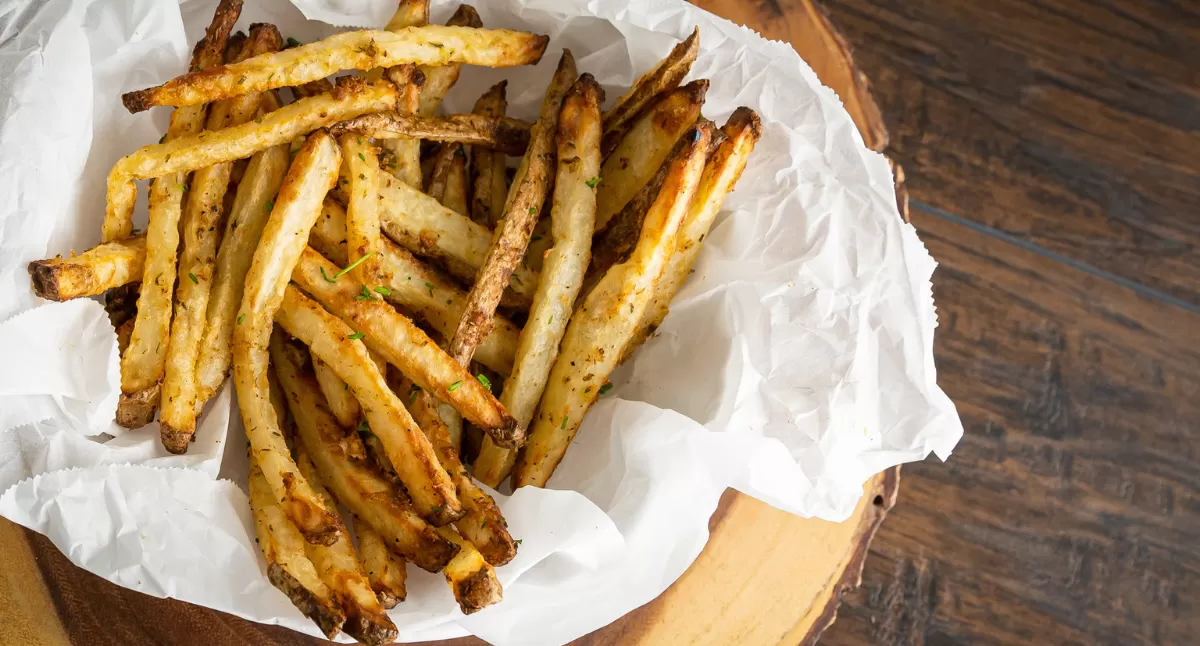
<point x="765" y="576"/>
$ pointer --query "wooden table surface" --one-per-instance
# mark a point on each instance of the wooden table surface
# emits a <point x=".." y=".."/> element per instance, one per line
<point x="1052" y="151"/>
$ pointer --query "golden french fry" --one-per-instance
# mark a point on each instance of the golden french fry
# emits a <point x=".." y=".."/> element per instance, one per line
<point x="721" y="173"/>
<point x="144" y="360"/>
<point x="360" y="158"/>
<point x="403" y="154"/>
<point x="440" y="78"/>
<point x="339" y="567"/>
<point x="252" y="206"/>
<point x="338" y="398"/>
<point x="407" y="447"/>
<point x="309" y="178"/>
<point x="417" y="288"/>
<point x="666" y="75"/>
<point x="340" y="460"/>
<point x="503" y="134"/>
<point x="471" y="578"/>
<point x="525" y="201"/>
<point x="643" y="149"/>
<point x="385" y="571"/>
<point x="92" y="272"/>
<point x="601" y="328"/>
<point x="448" y="183"/>
<point x="573" y="217"/>
<point x="409" y="13"/>
<point x="201" y="217"/>
<point x="401" y="343"/>
<point x="350" y="98"/>
<point x="423" y="226"/>
<point x="353" y="50"/>
<point x="288" y="566"/>
<point x="488" y="166"/>
<point x="482" y="524"/>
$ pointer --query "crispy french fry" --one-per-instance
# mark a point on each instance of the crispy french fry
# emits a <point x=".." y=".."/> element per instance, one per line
<point x="197" y="262"/>
<point x="423" y="226"/>
<point x="643" y="149"/>
<point x="233" y="46"/>
<point x="340" y="460"/>
<point x="409" y="13"/>
<point x="339" y="567"/>
<point x="353" y="50"/>
<point x="313" y="88"/>
<point x="666" y="75"/>
<point x="471" y="578"/>
<point x="487" y="166"/>
<point x="252" y="206"/>
<point x="448" y="184"/>
<point x="350" y="98"/>
<point x="92" y="272"/>
<point x="123" y="332"/>
<point x="121" y="304"/>
<point x="482" y="524"/>
<point x="288" y="567"/>
<point x="601" y="328"/>
<point x="309" y="178"/>
<point x="362" y="209"/>
<point x="504" y="134"/>
<point x="440" y="78"/>
<point x="407" y="447"/>
<point x="338" y="398"/>
<point x="573" y="218"/>
<point x="403" y="155"/>
<point x="525" y="201"/>
<point x="721" y="173"/>
<point x="385" y="571"/>
<point x="418" y="288"/>
<point x="539" y="245"/>
<point x="144" y="360"/>
<point x="401" y="343"/>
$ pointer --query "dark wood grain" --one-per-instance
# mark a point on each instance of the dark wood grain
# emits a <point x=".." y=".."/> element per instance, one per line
<point x="1071" y="123"/>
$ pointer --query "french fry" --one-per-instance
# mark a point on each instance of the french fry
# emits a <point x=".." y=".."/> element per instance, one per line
<point x="666" y="75"/>
<point x="448" y="184"/>
<point x="385" y="571"/>
<point x="488" y="166"/>
<point x="288" y="567"/>
<point x="92" y="272"/>
<point x="417" y="288"/>
<point x="420" y="224"/>
<point x="201" y="219"/>
<point x="539" y="245"/>
<point x="525" y="200"/>
<point x="313" y="88"/>
<point x="601" y="328"/>
<point x="309" y="178"/>
<point x="341" y="462"/>
<point x="643" y="149"/>
<point x="144" y="360"/>
<point x="407" y="447"/>
<point x="573" y="217"/>
<point x="338" y="398"/>
<point x="440" y="78"/>
<point x="361" y="159"/>
<point x="350" y="98"/>
<point x="252" y="206"/>
<point x="339" y="567"/>
<point x="403" y="154"/>
<point x="401" y="343"/>
<point x="353" y="50"/>
<point x="482" y="524"/>
<point x="121" y="304"/>
<point x="504" y="134"/>
<point x="409" y="13"/>
<point x="742" y="131"/>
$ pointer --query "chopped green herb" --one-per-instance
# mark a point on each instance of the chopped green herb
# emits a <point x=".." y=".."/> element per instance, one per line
<point x="550" y="320"/>
<point x="437" y="509"/>
<point x="564" y="423"/>
<point x="183" y="187"/>
<point x="364" y="427"/>
<point x="241" y="317"/>
<point x="412" y="394"/>
<point x="270" y="205"/>
<point x="533" y="210"/>
<point x="362" y="156"/>
<point x="271" y="76"/>
<point x="517" y="542"/>
<point x="430" y="286"/>
<point x="605" y="388"/>
<point x="292" y="42"/>
<point x="455" y="386"/>
<point x="591" y="183"/>
<point x="242" y="80"/>
<point x="383" y="290"/>
<point x="347" y="269"/>
<point x="365" y="295"/>
<point x="193" y="277"/>
<point x="487" y="383"/>
<point x="326" y="276"/>
<point x="359" y="140"/>
<point x="356" y="336"/>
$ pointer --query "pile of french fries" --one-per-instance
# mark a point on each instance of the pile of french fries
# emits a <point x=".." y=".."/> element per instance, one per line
<point x="393" y="301"/>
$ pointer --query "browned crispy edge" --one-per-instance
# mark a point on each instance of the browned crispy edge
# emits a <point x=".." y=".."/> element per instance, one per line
<point x="676" y="66"/>
<point x="493" y="103"/>
<point x="328" y="617"/>
<point x="477" y="591"/>
<point x="505" y="134"/>
<point x="135" y="410"/>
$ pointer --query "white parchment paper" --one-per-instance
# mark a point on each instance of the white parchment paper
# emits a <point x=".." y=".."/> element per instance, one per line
<point x="795" y="363"/>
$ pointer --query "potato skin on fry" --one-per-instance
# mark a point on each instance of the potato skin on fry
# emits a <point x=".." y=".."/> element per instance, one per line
<point x="92" y="272"/>
<point x="667" y="74"/>
<point x="440" y="78"/>
<point x="501" y="133"/>
<point x="356" y="50"/>
<point x="602" y="327"/>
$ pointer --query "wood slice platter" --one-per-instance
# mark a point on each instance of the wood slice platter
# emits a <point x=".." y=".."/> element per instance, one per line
<point x="765" y="576"/>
